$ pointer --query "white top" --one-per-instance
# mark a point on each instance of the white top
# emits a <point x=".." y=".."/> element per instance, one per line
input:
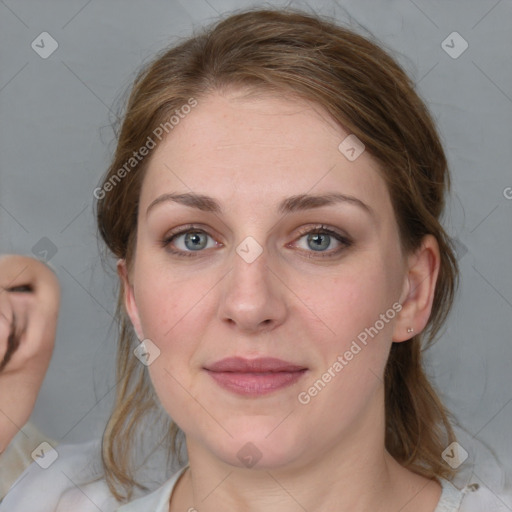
<point x="451" y="500"/>
<point x="66" y="485"/>
<point x="16" y="458"/>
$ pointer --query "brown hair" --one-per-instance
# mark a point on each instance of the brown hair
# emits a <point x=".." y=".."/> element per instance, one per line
<point x="366" y="92"/>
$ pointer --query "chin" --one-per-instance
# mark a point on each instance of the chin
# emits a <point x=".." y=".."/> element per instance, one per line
<point x="260" y="449"/>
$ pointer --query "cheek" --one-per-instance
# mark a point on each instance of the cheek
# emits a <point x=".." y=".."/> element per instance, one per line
<point x="171" y="317"/>
<point x="174" y="310"/>
<point x="357" y="306"/>
<point x="166" y="301"/>
<point x="353" y="299"/>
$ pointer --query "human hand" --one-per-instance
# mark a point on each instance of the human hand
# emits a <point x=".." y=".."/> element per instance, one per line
<point x="29" y="304"/>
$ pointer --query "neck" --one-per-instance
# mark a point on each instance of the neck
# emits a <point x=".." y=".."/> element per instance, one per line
<point x="321" y="486"/>
<point x="356" y="474"/>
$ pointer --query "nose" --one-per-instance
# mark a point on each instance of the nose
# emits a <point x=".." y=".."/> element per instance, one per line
<point x="253" y="298"/>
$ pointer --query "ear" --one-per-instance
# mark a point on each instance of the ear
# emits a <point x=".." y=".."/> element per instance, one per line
<point x="418" y="290"/>
<point x="129" y="298"/>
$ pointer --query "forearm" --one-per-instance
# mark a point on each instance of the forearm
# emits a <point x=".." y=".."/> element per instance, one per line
<point x="17" y="399"/>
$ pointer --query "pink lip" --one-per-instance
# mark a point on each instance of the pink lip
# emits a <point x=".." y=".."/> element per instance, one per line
<point x="253" y="377"/>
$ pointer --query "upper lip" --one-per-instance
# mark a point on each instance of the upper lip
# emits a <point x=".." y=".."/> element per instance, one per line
<point x="259" y="365"/>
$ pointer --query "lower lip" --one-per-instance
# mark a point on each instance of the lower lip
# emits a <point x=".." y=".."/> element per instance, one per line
<point x="255" y="384"/>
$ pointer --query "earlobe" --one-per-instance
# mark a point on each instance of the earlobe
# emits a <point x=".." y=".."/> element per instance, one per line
<point x="418" y="291"/>
<point x="129" y="298"/>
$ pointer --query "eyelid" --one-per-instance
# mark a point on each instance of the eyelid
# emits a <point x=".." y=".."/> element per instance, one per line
<point x="170" y="236"/>
<point x="343" y="239"/>
<point x="180" y="230"/>
<point x="322" y="228"/>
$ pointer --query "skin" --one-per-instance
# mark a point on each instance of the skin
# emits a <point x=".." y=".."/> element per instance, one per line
<point x="29" y="304"/>
<point x="250" y="153"/>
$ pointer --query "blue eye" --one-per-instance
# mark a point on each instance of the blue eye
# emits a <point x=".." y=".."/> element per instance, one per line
<point x="190" y="241"/>
<point x="319" y="240"/>
<point x="195" y="241"/>
<point x="187" y="241"/>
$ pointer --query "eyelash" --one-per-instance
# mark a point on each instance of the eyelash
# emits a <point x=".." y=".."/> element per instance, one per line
<point x="324" y="230"/>
<point x="321" y="229"/>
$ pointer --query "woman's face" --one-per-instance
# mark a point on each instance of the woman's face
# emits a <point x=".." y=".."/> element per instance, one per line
<point x="258" y="239"/>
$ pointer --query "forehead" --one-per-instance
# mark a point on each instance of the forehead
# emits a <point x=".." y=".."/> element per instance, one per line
<point x="264" y="148"/>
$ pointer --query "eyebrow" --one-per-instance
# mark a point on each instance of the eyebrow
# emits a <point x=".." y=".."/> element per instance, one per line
<point x="292" y="204"/>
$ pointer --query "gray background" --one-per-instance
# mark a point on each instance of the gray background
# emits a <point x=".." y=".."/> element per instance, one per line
<point x="56" y="141"/>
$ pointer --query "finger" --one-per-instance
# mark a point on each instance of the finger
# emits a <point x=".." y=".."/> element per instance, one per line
<point x="5" y="322"/>
<point x="14" y="271"/>
<point x="31" y="295"/>
<point x="13" y="342"/>
<point x="24" y="288"/>
<point x="21" y="273"/>
<point x="22" y="305"/>
<point x="35" y="332"/>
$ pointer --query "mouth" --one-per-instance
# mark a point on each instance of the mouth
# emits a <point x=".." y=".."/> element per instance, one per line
<point x="254" y="377"/>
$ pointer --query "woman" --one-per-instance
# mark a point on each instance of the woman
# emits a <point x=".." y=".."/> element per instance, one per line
<point x="291" y="208"/>
<point x="274" y="205"/>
